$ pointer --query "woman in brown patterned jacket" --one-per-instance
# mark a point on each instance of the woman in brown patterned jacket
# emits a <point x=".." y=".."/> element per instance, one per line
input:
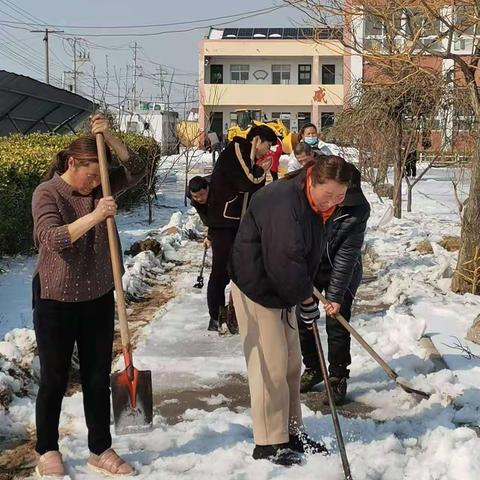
<point x="73" y="293"/>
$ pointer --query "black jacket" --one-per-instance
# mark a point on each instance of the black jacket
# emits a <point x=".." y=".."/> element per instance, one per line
<point x="341" y="266"/>
<point x="279" y="246"/>
<point x="232" y="176"/>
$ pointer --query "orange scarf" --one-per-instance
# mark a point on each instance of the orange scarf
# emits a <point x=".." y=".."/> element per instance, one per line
<point x="308" y="183"/>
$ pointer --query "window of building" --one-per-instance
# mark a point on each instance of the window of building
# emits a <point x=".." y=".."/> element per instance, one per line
<point x="216" y="73"/>
<point x="285" y="117"/>
<point x="327" y="120"/>
<point x="373" y="26"/>
<point x="374" y="31"/>
<point x="233" y="118"/>
<point x="303" y="118"/>
<point x="328" y="74"/>
<point x="304" y="74"/>
<point x="239" y="73"/>
<point x="465" y="21"/>
<point x="417" y="24"/>
<point x="281" y="74"/>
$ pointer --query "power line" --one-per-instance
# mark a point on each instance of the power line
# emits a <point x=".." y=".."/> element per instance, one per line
<point x="34" y="56"/>
<point x="154" y="25"/>
<point x="47" y="62"/>
<point x="28" y="59"/>
<point x="19" y="10"/>
<point x="166" y="32"/>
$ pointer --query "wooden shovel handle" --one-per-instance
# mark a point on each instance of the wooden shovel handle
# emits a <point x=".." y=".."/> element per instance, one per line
<point x="113" y="244"/>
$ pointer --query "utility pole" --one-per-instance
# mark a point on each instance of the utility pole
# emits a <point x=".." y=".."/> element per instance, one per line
<point x="94" y="83"/>
<point x="78" y="58"/>
<point x="75" y="65"/>
<point x="135" y="47"/>
<point x="47" y="61"/>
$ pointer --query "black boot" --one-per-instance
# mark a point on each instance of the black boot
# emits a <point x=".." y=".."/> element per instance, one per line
<point x="310" y="378"/>
<point x="213" y="325"/>
<point x="339" y="390"/>
<point x="279" y="454"/>
<point x="302" y="443"/>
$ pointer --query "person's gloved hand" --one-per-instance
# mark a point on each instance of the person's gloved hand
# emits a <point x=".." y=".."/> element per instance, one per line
<point x="309" y="312"/>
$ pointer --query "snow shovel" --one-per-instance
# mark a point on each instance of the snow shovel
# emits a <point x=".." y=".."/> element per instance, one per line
<point x="132" y="397"/>
<point x="389" y="371"/>
<point x="331" y="402"/>
<point x="200" y="283"/>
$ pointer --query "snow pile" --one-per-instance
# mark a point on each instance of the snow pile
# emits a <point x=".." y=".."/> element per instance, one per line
<point x="19" y="372"/>
<point x="142" y="269"/>
<point x="193" y="227"/>
<point x="140" y="272"/>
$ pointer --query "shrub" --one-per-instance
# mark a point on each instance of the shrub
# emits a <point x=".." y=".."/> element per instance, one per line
<point x="24" y="160"/>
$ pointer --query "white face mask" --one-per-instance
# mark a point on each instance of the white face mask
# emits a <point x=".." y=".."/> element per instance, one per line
<point x="311" y="140"/>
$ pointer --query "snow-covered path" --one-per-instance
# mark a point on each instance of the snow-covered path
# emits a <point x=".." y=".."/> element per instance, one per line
<point x="412" y="441"/>
<point x="403" y="439"/>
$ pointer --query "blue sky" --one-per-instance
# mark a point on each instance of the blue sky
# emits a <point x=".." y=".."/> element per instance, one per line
<point x="23" y="52"/>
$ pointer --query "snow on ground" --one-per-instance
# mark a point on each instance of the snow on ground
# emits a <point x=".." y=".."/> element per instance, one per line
<point x="403" y="439"/>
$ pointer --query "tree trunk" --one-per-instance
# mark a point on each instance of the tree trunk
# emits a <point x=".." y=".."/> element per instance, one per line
<point x="150" y="209"/>
<point x="382" y="172"/>
<point x="397" y="170"/>
<point x="397" y="189"/>
<point x="186" y="183"/>
<point x="470" y="237"/>
<point x="409" y="197"/>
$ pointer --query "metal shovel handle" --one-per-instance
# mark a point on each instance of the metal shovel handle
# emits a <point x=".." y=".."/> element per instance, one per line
<point x="388" y="370"/>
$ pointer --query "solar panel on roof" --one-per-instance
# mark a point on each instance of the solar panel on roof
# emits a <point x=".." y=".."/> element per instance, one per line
<point x="305" y="32"/>
<point x="245" y="32"/>
<point x="275" y="32"/>
<point x="230" y="33"/>
<point x="285" y="33"/>
<point x="290" y="32"/>
<point x="260" y="32"/>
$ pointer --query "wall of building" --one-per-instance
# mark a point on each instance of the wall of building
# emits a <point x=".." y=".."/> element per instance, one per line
<point x="260" y="68"/>
<point x="273" y="48"/>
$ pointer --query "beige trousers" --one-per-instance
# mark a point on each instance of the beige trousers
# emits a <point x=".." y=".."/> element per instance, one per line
<point x="274" y="364"/>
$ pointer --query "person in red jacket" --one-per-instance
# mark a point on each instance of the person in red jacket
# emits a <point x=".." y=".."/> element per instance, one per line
<point x="276" y="159"/>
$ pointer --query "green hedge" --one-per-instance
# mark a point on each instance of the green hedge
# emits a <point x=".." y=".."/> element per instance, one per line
<point x="24" y="160"/>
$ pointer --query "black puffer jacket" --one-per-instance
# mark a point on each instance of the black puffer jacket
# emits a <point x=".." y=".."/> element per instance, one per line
<point x="341" y="266"/>
<point x="233" y="175"/>
<point x="279" y="246"/>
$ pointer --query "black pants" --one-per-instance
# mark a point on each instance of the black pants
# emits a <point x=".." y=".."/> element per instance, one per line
<point x="274" y="175"/>
<point x="338" y="342"/>
<point x="411" y="169"/>
<point x="222" y="242"/>
<point x="58" y="325"/>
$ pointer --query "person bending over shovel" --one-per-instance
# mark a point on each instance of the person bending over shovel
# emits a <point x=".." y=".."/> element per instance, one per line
<point x="73" y="294"/>
<point x="275" y="259"/>
<point x="339" y="276"/>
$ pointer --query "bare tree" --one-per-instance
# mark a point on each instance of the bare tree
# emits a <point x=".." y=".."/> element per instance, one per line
<point x="191" y="138"/>
<point x="414" y="33"/>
